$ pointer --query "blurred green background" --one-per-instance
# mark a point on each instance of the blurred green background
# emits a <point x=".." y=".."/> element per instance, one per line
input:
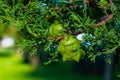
<point x="13" y="67"/>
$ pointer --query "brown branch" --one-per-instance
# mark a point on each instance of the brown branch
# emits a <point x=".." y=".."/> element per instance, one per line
<point x="57" y="38"/>
<point x="104" y="20"/>
<point x="60" y="37"/>
<point x="110" y="1"/>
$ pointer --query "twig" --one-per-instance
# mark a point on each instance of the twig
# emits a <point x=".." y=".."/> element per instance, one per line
<point x="57" y="38"/>
<point x="104" y="20"/>
<point x="110" y="1"/>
